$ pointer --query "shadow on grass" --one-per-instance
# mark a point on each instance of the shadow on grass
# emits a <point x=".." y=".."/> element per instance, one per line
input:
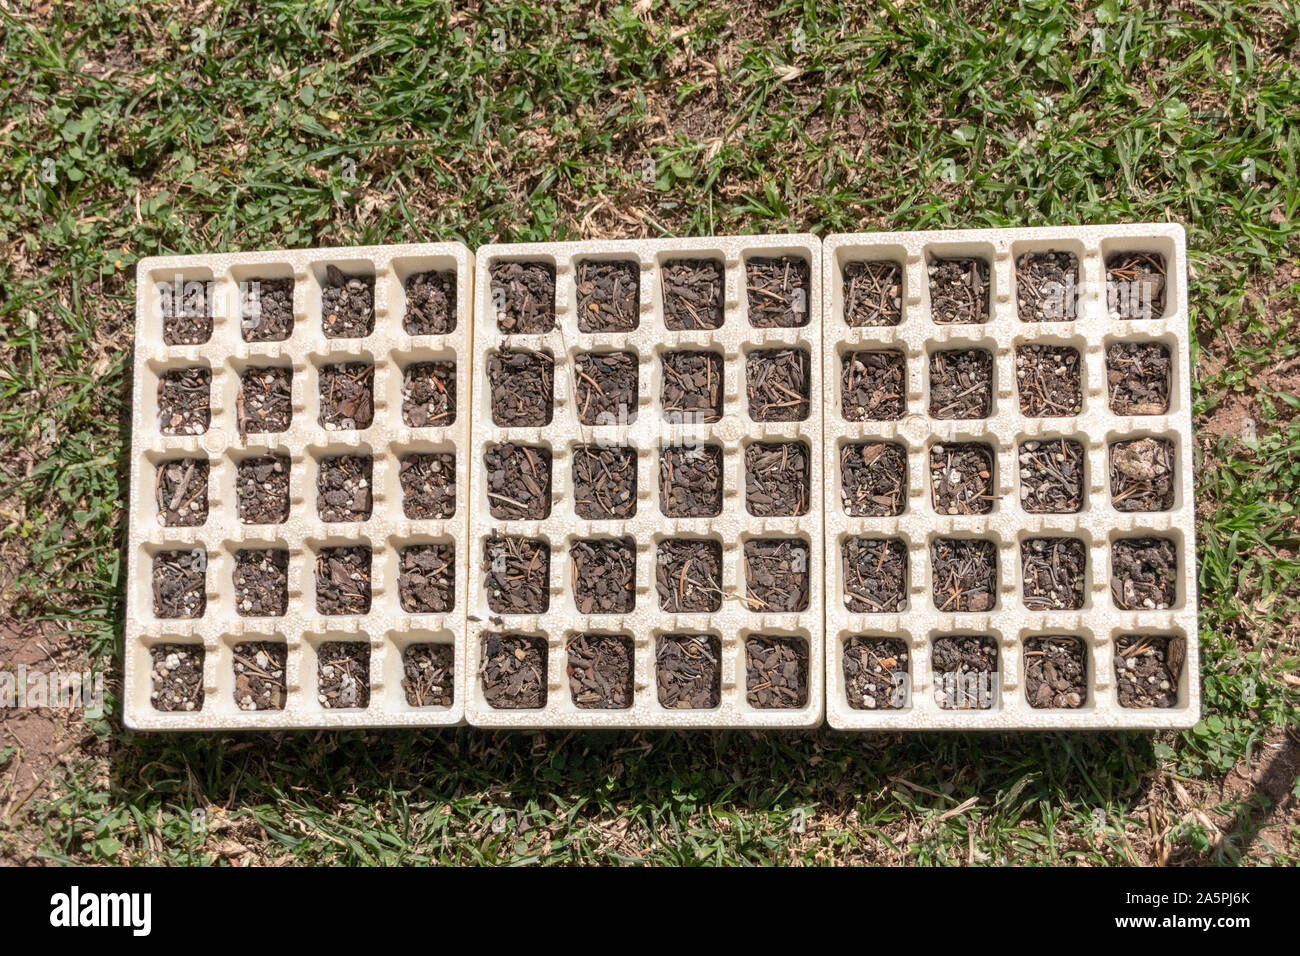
<point x="655" y="779"/>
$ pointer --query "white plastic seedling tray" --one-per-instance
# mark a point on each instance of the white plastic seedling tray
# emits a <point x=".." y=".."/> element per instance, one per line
<point x="387" y="629"/>
<point x="646" y="433"/>
<point x="1098" y="525"/>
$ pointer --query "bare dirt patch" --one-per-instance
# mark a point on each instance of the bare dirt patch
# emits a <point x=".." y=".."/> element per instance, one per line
<point x="42" y="737"/>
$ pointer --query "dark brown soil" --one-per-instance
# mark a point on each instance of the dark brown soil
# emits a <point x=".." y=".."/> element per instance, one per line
<point x="430" y="305"/>
<point x="261" y="578"/>
<point x="959" y="291"/>
<point x="264" y="403"/>
<point x="1048" y="380"/>
<point x="1051" y="476"/>
<point x="513" y="671"/>
<point x="688" y="672"/>
<point x="1056" y="672"/>
<point x="965" y="671"/>
<point x="519" y="481"/>
<point x="600" y="671"/>
<point x="343" y="486"/>
<point x="180" y="583"/>
<point x="1047" y="286"/>
<point x="429" y="394"/>
<point x="776" y="672"/>
<point x="177" y="672"/>
<point x="1142" y="474"/>
<point x="778" y="291"/>
<point x="1148" y="668"/>
<point x="609" y="296"/>
<point x="691" y="392"/>
<point x="428" y="485"/>
<point x="692" y="291"/>
<point x="426" y="578"/>
<point x="1138" y="374"/>
<point x="690" y="481"/>
<point x="517" y="575"/>
<point x="688" y="575"/>
<point x="1135" y="285"/>
<point x="963" y="574"/>
<point x="962" y="478"/>
<point x="343" y="580"/>
<point x="875" y="575"/>
<point x="181" y="492"/>
<point x="778" y="384"/>
<point x="523" y="296"/>
<point x="776" y="575"/>
<point x="186" y="312"/>
<point x="343" y="674"/>
<point x="605" y="388"/>
<point x="347" y="304"/>
<point x="347" y="398"/>
<point x="428" y="675"/>
<point x="777" y="479"/>
<point x="873" y="479"/>
<point x="259" y="669"/>
<point x="961" y="383"/>
<point x="873" y="386"/>
<point x="184" y="401"/>
<point x="604" y="575"/>
<point x="873" y="293"/>
<point x="522" y="384"/>
<point x="262" y="489"/>
<point x="1144" y="573"/>
<point x="604" y="482"/>
<point x="876" y="674"/>
<point x="1053" y="573"/>
<point x="266" y="310"/>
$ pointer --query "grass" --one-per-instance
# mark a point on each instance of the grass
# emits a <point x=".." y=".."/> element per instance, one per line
<point x="136" y="129"/>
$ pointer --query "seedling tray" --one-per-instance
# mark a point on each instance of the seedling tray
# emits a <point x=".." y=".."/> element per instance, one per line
<point x="562" y="631"/>
<point x="252" y="518"/>
<point x="946" y="647"/>
<point x="619" y="526"/>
